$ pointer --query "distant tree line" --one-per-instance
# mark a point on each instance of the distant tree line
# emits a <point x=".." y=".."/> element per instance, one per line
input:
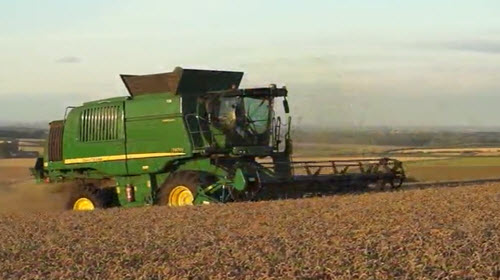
<point x="399" y="138"/>
<point x="23" y="133"/>
<point x="3" y="150"/>
<point x="414" y="138"/>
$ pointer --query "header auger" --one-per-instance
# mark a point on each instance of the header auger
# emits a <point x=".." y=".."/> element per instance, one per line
<point x="192" y="137"/>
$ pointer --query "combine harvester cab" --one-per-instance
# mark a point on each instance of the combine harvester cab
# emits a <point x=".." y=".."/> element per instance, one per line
<point x="191" y="137"/>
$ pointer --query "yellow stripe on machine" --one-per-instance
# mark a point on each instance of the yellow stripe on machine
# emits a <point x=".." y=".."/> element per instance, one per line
<point x="150" y="155"/>
<point x="120" y="157"/>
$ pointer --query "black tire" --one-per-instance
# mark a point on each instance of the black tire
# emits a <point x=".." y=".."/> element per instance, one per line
<point x="100" y="198"/>
<point x="189" y="179"/>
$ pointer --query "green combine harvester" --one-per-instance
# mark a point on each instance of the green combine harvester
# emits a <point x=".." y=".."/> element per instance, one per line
<point x="191" y="137"/>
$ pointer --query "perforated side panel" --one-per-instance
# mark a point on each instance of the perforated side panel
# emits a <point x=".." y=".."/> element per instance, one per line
<point x="55" y="140"/>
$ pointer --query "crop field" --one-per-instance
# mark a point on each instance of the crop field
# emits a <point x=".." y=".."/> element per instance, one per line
<point x="431" y="233"/>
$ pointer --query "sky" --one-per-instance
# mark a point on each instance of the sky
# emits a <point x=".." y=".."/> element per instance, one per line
<point x="345" y="63"/>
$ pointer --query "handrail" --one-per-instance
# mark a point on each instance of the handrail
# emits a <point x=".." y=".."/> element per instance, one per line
<point x="200" y="130"/>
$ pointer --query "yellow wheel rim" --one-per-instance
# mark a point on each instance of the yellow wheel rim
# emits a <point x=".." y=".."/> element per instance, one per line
<point x="83" y="204"/>
<point x="180" y="196"/>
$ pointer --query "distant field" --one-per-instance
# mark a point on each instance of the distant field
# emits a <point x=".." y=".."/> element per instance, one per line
<point x="477" y="151"/>
<point x="302" y="149"/>
<point x="32" y="149"/>
<point x="32" y="145"/>
<point x="17" y="162"/>
<point x="454" y="168"/>
<point x="436" y="168"/>
<point x="429" y="164"/>
<point x="354" y="158"/>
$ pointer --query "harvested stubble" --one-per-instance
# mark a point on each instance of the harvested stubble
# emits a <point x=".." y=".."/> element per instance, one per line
<point x="429" y="233"/>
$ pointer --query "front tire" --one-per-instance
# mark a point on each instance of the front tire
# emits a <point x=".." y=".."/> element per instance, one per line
<point x="179" y="189"/>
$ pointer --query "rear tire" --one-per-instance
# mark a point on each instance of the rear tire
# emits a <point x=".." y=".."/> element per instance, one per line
<point x="89" y="197"/>
<point x="179" y="189"/>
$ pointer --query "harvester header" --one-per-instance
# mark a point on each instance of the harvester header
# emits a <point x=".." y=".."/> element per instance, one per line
<point x="192" y="137"/>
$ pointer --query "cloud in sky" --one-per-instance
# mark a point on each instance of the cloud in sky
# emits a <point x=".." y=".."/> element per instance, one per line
<point x="69" y="59"/>
<point x="483" y="46"/>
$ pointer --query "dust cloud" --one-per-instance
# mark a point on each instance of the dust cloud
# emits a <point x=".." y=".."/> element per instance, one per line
<point x="28" y="196"/>
<point x="20" y="193"/>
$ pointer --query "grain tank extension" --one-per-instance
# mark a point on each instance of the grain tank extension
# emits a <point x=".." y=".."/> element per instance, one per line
<point x="191" y="137"/>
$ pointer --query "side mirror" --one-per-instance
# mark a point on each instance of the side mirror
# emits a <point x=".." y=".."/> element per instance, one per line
<point x="285" y="105"/>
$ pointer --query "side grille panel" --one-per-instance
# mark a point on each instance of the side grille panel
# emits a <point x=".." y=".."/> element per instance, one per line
<point x="55" y="140"/>
<point x="100" y="123"/>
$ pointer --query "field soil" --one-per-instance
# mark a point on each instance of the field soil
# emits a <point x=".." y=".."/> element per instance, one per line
<point x="442" y="233"/>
